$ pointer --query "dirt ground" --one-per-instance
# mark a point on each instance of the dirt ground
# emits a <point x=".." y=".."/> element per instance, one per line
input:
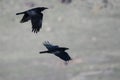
<point x="90" y="28"/>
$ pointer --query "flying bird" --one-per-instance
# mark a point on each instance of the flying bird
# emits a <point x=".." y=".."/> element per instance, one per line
<point x="36" y="17"/>
<point x="57" y="51"/>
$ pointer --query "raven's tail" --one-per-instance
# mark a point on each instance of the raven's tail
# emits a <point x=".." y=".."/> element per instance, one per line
<point x="43" y="52"/>
<point x="20" y="13"/>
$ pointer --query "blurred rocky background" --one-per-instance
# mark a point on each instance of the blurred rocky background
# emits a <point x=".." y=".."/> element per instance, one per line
<point x="90" y="28"/>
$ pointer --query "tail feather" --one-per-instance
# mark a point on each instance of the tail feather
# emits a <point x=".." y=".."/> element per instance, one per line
<point x="20" y="13"/>
<point x="43" y="52"/>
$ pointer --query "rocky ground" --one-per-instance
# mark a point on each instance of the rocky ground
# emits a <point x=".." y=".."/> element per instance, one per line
<point x="90" y="28"/>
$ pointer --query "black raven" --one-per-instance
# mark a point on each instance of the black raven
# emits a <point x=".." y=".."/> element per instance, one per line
<point x="35" y="16"/>
<point x="56" y="50"/>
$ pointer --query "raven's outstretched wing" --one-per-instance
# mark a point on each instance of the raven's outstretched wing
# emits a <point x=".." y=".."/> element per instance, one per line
<point x="50" y="46"/>
<point x="63" y="55"/>
<point x="36" y="22"/>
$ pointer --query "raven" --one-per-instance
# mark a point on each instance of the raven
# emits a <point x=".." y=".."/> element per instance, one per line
<point x="35" y="16"/>
<point x="57" y="51"/>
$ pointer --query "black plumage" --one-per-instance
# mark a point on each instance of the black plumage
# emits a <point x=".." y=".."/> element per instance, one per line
<point x="56" y="50"/>
<point x="35" y="16"/>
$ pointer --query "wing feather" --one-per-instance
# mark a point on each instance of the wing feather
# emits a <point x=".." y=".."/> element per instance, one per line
<point x="50" y="46"/>
<point x="36" y="22"/>
<point x="63" y="55"/>
<point x="25" y="18"/>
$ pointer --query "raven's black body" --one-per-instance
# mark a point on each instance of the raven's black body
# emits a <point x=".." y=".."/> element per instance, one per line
<point x="58" y="51"/>
<point x="35" y="16"/>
